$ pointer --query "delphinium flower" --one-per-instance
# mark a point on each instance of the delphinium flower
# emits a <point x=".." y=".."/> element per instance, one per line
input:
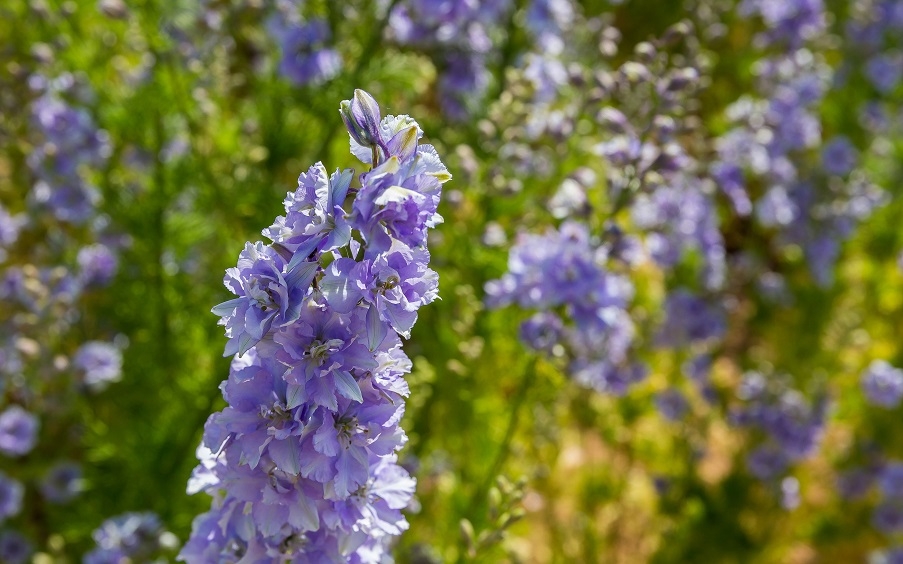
<point x="18" y="431"/>
<point x="888" y="515"/>
<point x="14" y="548"/>
<point x="672" y="404"/>
<point x="872" y="45"/>
<point x="282" y="37"/>
<point x="130" y="537"/>
<point x="658" y="206"/>
<point x="582" y="304"/>
<point x="690" y="319"/>
<point x="10" y="225"/>
<point x="307" y="57"/>
<point x="790" y="424"/>
<point x="777" y="129"/>
<point x="11" y="492"/>
<point x="893" y="555"/>
<point x="62" y="482"/>
<point x="459" y="36"/>
<point x="647" y="119"/>
<point x="98" y="363"/>
<point x="790" y="21"/>
<point x="97" y="265"/>
<point x="70" y="141"/>
<point x="883" y="384"/>
<point x="58" y="248"/>
<point x="302" y="464"/>
<point x="549" y="65"/>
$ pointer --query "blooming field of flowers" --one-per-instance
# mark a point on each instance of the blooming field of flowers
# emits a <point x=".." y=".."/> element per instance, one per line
<point x="660" y="245"/>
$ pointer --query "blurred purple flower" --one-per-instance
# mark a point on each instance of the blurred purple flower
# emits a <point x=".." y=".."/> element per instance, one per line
<point x="18" y="431"/>
<point x="62" y="482"/>
<point x="99" y="363"/>
<point x="11" y="493"/>
<point x="883" y="384"/>
<point x="14" y="548"/>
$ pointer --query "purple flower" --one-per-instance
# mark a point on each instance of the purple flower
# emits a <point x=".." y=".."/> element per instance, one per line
<point x="888" y="518"/>
<point x="557" y="267"/>
<point x="314" y="220"/>
<point x="892" y="556"/>
<point x="606" y="377"/>
<point x="10" y="225"/>
<point x="457" y="36"/>
<point x="891" y="480"/>
<point x="323" y="350"/>
<point x="464" y="78"/>
<point x="793" y="425"/>
<point x="132" y="537"/>
<point x="565" y="267"/>
<point x="380" y="500"/>
<point x="396" y="201"/>
<point x="18" y="431"/>
<point x="99" y="363"/>
<point x="269" y="295"/>
<point x="549" y="20"/>
<point x="301" y="463"/>
<point x="62" y="482"/>
<point x="883" y="384"/>
<point x="14" y="548"/>
<point x="731" y="180"/>
<point x="97" y="265"/>
<point x="777" y="208"/>
<point x="542" y="332"/>
<point x="885" y="71"/>
<point x="362" y="120"/>
<point x="671" y="404"/>
<point x="69" y="140"/>
<point x="105" y="556"/>
<point x="395" y="284"/>
<point x="792" y="20"/>
<point x="306" y="58"/>
<point x="689" y="319"/>
<point x="854" y="484"/>
<point x="839" y="156"/>
<point x="680" y="218"/>
<point x="790" y="493"/>
<point x="767" y="462"/>
<point x="11" y="493"/>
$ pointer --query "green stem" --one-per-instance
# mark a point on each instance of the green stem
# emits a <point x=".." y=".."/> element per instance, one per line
<point x="529" y="376"/>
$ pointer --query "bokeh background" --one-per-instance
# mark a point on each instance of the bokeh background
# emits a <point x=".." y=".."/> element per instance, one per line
<point x="734" y="166"/>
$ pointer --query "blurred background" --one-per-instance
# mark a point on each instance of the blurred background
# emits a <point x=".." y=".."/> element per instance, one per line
<point x="719" y="179"/>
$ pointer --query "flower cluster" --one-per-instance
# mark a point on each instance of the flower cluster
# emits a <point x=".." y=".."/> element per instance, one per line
<point x="130" y="537"/>
<point x="883" y="384"/>
<point x="578" y="275"/>
<point x="791" y="424"/>
<point x="302" y="463"/>
<point x="43" y="286"/>
<point x="458" y="35"/>
<point x="887" y="517"/>
<point x="308" y="56"/>
<point x="70" y="142"/>
<point x="872" y="41"/>
<point x="563" y="274"/>
<point x="766" y="151"/>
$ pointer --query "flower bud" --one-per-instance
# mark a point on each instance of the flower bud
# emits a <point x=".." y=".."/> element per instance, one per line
<point x="361" y="116"/>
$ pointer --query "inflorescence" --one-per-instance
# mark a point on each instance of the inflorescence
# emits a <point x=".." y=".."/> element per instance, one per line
<point x="302" y="463"/>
